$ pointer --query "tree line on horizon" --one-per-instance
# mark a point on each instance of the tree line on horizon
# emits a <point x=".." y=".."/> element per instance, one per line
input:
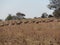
<point x="19" y="16"/>
<point x="10" y="17"/>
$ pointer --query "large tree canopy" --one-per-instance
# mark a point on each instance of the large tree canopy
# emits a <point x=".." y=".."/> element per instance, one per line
<point x="54" y="4"/>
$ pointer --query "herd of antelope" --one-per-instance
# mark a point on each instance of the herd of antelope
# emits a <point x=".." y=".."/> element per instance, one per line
<point x="18" y="22"/>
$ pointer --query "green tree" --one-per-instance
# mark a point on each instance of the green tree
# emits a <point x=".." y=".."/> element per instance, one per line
<point x="44" y="15"/>
<point x="55" y="5"/>
<point x="56" y="13"/>
<point x="20" y="15"/>
<point x="9" y="17"/>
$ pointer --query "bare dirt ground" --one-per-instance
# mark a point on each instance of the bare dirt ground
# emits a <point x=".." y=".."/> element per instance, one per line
<point x="30" y="32"/>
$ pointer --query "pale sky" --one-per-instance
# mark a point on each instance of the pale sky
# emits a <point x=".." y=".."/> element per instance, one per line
<point x="32" y="8"/>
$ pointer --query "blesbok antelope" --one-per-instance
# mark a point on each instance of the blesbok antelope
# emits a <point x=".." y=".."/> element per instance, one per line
<point x="1" y="24"/>
<point x="26" y="22"/>
<point x="19" y="22"/>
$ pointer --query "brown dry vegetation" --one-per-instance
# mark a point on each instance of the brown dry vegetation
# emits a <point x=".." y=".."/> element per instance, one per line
<point x="30" y="32"/>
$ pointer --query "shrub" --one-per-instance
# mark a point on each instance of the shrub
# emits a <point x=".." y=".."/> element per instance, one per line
<point x="44" y="15"/>
<point x="9" y="17"/>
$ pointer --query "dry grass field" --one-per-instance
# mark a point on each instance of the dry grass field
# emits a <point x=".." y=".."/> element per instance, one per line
<point x="30" y="32"/>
